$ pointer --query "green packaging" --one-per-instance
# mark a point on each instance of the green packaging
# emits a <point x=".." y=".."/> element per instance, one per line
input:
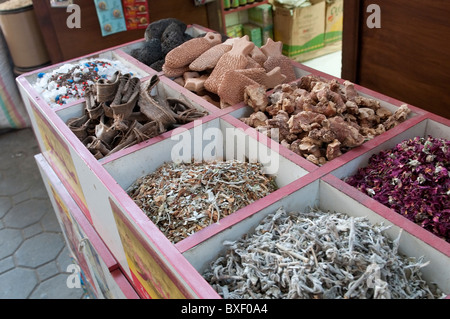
<point x="254" y="33"/>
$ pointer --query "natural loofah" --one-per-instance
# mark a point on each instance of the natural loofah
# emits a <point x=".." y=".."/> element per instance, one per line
<point x="232" y="87"/>
<point x="268" y="79"/>
<point x="155" y="29"/>
<point x="172" y="37"/>
<point x="273" y="51"/>
<point x="258" y="55"/>
<point x="186" y="53"/>
<point x="174" y="72"/>
<point x="157" y="66"/>
<point x="197" y="84"/>
<point x="235" y="59"/>
<point x="209" y="58"/>
<point x="149" y="53"/>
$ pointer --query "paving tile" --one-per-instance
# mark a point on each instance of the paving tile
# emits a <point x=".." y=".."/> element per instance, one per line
<point x="40" y="249"/>
<point x="17" y="183"/>
<point x="5" y="205"/>
<point x="32" y="230"/>
<point x="48" y="270"/>
<point x="17" y="283"/>
<point x="10" y="240"/>
<point x="64" y="259"/>
<point x="6" y="264"/>
<point x="33" y="254"/>
<point x="56" y="288"/>
<point x="26" y="213"/>
<point x="50" y="222"/>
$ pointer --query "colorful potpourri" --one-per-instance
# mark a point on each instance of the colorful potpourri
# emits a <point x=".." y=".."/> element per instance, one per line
<point x="70" y="81"/>
<point x="183" y="198"/>
<point x="413" y="179"/>
<point x="317" y="255"/>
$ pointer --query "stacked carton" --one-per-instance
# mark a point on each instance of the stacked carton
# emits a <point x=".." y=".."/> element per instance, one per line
<point x="310" y="31"/>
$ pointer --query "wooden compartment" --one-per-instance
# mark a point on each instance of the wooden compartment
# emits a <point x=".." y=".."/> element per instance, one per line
<point x="434" y="126"/>
<point x="202" y="140"/>
<point x="241" y="110"/>
<point x="321" y="194"/>
<point x="99" y="268"/>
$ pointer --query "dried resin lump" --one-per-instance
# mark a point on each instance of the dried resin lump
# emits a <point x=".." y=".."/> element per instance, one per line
<point x="318" y="119"/>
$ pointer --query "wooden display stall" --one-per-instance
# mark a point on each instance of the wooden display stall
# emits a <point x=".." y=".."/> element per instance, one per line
<point x="406" y="57"/>
<point x="156" y="267"/>
<point x="64" y="43"/>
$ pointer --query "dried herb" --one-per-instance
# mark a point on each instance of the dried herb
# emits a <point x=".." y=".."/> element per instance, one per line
<point x="183" y="198"/>
<point x="413" y="179"/>
<point x="317" y="255"/>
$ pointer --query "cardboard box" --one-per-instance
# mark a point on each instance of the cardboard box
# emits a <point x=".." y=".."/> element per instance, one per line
<point x="254" y="33"/>
<point x="301" y="30"/>
<point x="261" y="15"/>
<point x="334" y="21"/>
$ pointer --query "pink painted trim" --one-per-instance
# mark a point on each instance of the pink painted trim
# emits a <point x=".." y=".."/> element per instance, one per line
<point x="201" y="28"/>
<point x="121" y="46"/>
<point x="138" y="64"/>
<point x="438" y="118"/>
<point x="369" y="145"/>
<point x="389" y="214"/>
<point x="76" y="213"/>
<point x="165" y="252"/>
<point x="124" y="284"/>
<point x="156" y="139"/>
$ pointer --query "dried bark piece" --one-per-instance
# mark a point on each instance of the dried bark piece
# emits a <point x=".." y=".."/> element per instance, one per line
<point x="174" y="72"/>
<point x="333" y="150"/>
<point x="152" y="109"/>
<point x="126" y="97"/>
<point x="305" y="121"/>
<point x="350" y="91"/>
<point x="232" y="87"/>
<point x="105" y="132"/>
<point x="255" y="96"/>
<point x="348" y="135"/>
<point x="256" y="119"/>
<point x="280" y="122"/>
<point x="187" y="52"/>
<point x="235" y="59"/>
<point x="275" y="58"/>
<point x="105" y="90"/>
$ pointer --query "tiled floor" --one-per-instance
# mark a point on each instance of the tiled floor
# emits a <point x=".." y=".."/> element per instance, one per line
<point x="33" y="254"/>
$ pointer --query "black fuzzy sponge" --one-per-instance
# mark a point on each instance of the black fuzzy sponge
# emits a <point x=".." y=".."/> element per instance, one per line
<point x="149" y="53"/>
